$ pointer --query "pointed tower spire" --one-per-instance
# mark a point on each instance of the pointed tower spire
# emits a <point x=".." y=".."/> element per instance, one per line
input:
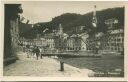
<point x="60" y="29"/>
<point x="94" y="19"/>
<point x="94" y="12"/>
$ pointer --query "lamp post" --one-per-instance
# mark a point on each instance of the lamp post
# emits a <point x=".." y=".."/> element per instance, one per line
<point x="96" y="34"/>
<point x="97" y="47"/>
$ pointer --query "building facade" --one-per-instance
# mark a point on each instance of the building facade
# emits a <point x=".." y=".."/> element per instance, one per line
<point x="73" y="44"/>
<point x="50" y="42"/>
<point x="59" y="38"/>
<point x="44" y="42"/>
<point x="84" y="37"/>
<point x="113" y="41"/>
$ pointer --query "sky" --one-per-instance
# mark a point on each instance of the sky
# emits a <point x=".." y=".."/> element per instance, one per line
<point x="44" y="11"/>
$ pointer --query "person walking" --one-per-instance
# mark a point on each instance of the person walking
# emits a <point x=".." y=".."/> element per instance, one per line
<point x="37" y="51"/>
<point x="27" y="50"/>
<point x="33" y="51"/>
<point x="41" y="53"/>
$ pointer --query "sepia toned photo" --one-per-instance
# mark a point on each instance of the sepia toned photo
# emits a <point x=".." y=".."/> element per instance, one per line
<point x="64" y="39"/>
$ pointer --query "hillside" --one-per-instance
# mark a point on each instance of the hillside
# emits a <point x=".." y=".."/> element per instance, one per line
<point x="71" y="21"/>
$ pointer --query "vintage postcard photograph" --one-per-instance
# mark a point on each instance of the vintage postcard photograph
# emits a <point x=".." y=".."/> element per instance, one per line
<point x="64" y="39"/>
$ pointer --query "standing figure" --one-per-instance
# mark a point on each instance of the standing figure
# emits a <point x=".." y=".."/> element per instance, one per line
<point x="33" y="52"/>
<point x="37" y="51"/>
<point x="27" y="50"/>
<point x="41" y="53"/>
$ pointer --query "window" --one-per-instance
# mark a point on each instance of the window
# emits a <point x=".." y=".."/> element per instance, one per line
<point x="79" y="48"/>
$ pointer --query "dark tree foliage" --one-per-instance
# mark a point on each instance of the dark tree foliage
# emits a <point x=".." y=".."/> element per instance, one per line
<point x="12" y="10"/>
<point x="24" y="29"/>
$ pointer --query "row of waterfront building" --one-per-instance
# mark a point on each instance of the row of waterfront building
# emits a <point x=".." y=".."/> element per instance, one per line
<point x="111" y="41"/>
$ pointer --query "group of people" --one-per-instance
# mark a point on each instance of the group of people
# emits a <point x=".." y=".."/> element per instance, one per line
<point x="33" y="51"/>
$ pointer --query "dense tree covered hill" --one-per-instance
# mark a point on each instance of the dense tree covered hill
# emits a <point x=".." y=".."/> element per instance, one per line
<point x="102" y="15"/>
<point x="117" y="13"/>
<point x="67" y="20"/>
<point x="70" y="21"/>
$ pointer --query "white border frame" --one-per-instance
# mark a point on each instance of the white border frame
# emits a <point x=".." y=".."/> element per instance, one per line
<point x="27" y="78"/>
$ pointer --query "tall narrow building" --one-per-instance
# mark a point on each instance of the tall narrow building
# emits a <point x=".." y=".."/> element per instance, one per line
<point x="60" y="29"/>
<point x="11" y="31"/>
<point x="94" y="19"/>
